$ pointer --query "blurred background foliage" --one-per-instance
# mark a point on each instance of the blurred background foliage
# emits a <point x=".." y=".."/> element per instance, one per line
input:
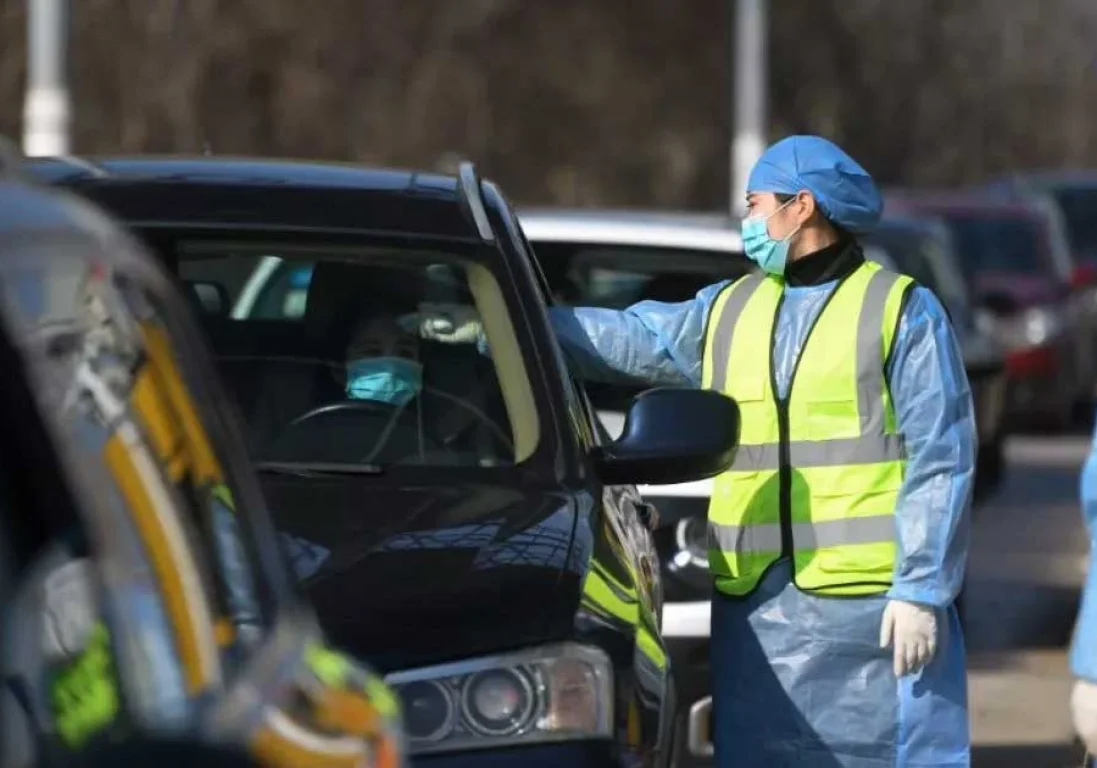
<point x="574" y="102"/>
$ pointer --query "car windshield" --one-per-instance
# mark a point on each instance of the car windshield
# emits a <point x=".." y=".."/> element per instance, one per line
<point x="616" y="277"/>
<point x="999" y="243"/>
<point x="324" y="354"/>
<point x="1079" y="206"/>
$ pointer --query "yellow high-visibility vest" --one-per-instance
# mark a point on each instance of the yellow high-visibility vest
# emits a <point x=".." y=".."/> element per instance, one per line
<point x="817" y="474"/>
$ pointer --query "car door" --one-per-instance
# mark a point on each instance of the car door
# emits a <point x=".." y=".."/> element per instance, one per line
<point x="634" y="517"/>
<point x="625" y="510"/>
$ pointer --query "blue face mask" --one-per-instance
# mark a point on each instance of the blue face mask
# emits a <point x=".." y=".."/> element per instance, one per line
<point x="393" y="380"/>
<point x="769" y="254"/>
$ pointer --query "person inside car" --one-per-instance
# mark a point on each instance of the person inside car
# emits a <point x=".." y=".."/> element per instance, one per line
<point x="382" y="362"/>
<point x="387" y="364"/>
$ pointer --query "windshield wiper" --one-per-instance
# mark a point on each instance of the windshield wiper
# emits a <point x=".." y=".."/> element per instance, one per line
<point x="317" y="469"/>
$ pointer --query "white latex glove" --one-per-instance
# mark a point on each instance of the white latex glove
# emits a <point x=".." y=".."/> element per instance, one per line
<point x="1083" y="708"/>
<point x="449" y="323"/>
<point x="912" y="629"/>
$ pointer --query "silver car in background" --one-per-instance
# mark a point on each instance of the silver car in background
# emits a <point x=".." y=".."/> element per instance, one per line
<point x="614" y="259"/>
<point x="923" y="248"/>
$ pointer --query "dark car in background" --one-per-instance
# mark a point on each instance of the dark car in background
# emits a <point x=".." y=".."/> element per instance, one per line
<point x="477" y="538"/>
<point x="1007" y="252"/>
<point x="1070" y="200"/>
<point x="1073" y="197"/>
<point x="923" y="248"/>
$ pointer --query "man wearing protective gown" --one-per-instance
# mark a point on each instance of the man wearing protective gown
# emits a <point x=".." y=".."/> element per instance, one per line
<point x="835" y="641"/>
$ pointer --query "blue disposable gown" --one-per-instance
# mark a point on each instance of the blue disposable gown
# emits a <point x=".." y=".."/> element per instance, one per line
<point x="1083" y="653"/>
<point x="798" y="679"/>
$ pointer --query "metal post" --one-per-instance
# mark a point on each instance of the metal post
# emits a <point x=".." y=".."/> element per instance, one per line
<point x="46" y="109"/>
<point x="749" y="62"/>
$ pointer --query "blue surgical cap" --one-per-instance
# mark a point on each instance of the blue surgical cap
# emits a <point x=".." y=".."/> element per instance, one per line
<point x="843" y="189"/>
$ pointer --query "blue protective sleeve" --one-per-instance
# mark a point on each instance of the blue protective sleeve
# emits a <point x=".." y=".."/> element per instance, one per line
<point x="1083" y="652"/>
<point x="933" y="405"/>
<point x="651" y="342"/>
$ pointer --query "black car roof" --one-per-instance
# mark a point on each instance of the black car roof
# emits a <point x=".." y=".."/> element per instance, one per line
<point x="263" y="192"/>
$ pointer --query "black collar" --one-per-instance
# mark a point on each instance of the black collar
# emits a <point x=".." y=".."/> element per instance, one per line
<point x="834" y="262"/>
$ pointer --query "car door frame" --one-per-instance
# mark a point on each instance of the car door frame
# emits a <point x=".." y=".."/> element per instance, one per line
<point x="618" y="503"/>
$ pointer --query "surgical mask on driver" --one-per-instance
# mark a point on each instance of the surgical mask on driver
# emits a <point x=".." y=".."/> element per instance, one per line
<point x="392" y="380"/>
<point x="769" y="254"/>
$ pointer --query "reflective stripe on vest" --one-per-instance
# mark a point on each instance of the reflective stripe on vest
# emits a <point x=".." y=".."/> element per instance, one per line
<point x="839" y="465"/>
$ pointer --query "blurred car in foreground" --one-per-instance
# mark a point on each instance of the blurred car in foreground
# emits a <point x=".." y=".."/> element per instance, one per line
<point x="143" y="591"/>
<point x="923" y="248"/>
<point x="1007" y="253"/>
<point x="473" y="535"/>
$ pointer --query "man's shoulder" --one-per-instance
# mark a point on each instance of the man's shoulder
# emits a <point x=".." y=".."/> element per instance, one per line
<point x="922" y="304"/>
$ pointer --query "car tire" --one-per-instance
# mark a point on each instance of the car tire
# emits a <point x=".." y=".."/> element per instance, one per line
<point x="1061" y="419"/>
<point x="961" y="605"/>
<point x="1083" y="416"/>
<point x="678" y="751"/>
<point x="989" y="467"/>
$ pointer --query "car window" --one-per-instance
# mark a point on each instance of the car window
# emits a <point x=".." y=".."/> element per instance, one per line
<point x="1000" y="243"/>
<point x="1079" y="207"/>
<point x="325" y="355"/>
<point x="284" y="297"/>
<point x="616" y="277"/>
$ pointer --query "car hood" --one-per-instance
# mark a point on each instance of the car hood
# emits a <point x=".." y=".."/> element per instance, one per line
<point x="408" y="576"/>
<point x="1025" y="289"/>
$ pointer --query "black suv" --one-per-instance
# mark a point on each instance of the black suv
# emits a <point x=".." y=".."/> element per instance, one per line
<point x="435" y="470"/>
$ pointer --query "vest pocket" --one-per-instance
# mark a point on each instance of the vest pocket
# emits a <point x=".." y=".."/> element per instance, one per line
<point x="831" y="419"/>
<point x="757" y="416"/>
<point x="849" y="545"/>
<point x="743" y="529"/>
<point x="822" y="488"/>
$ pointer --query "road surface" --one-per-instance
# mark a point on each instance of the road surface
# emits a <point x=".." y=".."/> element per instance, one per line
<point x="1027" y="564"/>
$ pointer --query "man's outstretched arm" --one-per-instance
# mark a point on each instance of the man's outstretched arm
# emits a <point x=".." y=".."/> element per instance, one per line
<point x="651" y="342"/>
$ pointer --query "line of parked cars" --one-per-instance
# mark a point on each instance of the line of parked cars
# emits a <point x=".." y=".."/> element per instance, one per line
<point x="522" y="554"/>
<point x="1041" y="310"/>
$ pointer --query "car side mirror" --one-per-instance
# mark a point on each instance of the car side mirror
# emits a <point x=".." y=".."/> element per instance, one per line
<point x="671" y="436"/>
<point x="1083" y="276"/>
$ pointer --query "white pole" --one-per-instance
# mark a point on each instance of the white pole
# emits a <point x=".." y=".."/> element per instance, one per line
<point x="46" y="109"/>
<point x="749" y="114"/>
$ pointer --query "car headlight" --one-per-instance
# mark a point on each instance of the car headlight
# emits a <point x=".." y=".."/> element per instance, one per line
<point x="1039" y="325"/>
<point x="551" y="693"/>
<point x="1029" y="328"/>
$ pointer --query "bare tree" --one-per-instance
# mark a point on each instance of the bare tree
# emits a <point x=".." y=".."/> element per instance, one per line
<point x="574" y="102"/>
